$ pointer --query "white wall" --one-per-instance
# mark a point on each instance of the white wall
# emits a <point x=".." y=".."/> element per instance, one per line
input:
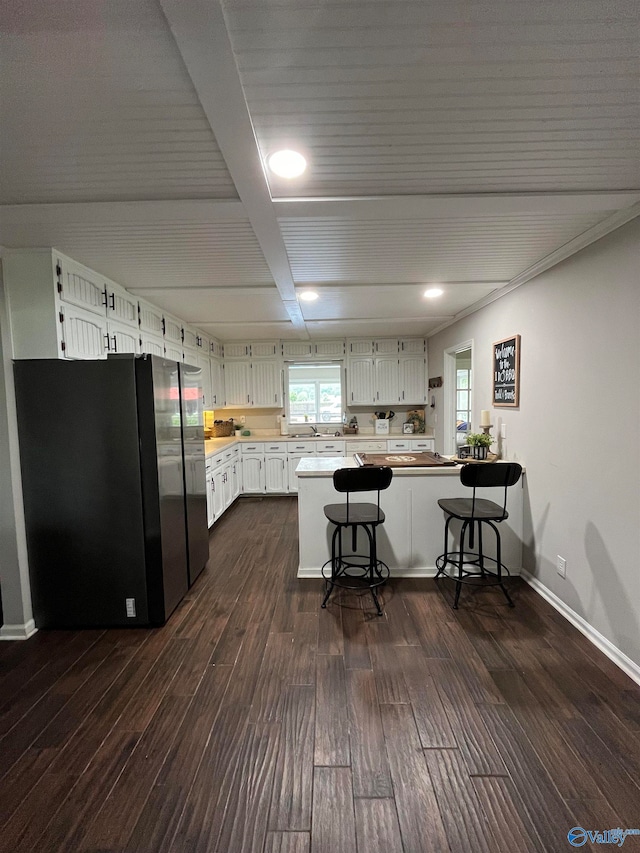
<point x="14" y="573"/>
<point x="576" y="429"/>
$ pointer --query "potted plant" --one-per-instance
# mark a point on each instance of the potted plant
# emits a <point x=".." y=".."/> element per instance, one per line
<point x="478" y="445"/>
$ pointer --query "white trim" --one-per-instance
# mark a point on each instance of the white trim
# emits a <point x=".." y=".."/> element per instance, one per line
<point x="414" y="572"/>
<point x="18" y="632"/>
<point x="614" y="654"/>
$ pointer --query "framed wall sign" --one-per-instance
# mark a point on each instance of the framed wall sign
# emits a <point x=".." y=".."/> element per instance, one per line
<point x="506" y="372"/>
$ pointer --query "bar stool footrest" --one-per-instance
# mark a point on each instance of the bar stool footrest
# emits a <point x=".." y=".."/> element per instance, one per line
<point x="348" y="574"/>
<point x="479" y="576"/>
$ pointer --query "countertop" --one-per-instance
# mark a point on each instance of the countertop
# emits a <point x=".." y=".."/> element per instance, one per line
<point x="324" y="466"/>
<point x="214" y="445"/>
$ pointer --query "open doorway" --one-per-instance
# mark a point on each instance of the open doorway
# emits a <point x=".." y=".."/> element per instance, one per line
<point x="458" y="395"/>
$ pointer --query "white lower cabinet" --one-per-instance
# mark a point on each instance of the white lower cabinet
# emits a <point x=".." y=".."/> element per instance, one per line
<point x="253" y="474"/>
<point x="276" y="474"/>
<point x="223" y="482"/>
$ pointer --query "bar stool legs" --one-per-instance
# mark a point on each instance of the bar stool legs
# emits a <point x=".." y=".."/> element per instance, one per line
<point x="355" y="571"/>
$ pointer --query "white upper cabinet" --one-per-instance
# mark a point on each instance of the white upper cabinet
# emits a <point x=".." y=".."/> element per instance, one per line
<point x="329" y="348"/>
<point x="217" y="384"/>
<point x="122" y="338"/>
<point x="80" y="286"/>
<point x="190" y="337"/>
<point x="387" y="372"/>
<point x="386" y="346"/>
<point x="150" y="319"/>
<point x="264" y="349"/>
<point x="413" y="380"/>
<point x="84" y="335"/>
<point x="237" y="350"/>
<point x="360" y="381"/>
<point x="266" y="384"/>
<point x="204" y="363"/>
<point x="360" y="346"/>
<point x="172" y="330"/>
<point x="409" y="346"/>
<point x="237" y="383"/>
<point x="297" y="349"/>
<point x="122" y="307"/>
<point x="151" y="344"/>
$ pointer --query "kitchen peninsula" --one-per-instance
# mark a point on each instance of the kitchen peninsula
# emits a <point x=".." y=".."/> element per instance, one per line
<point x="412" y="535"/>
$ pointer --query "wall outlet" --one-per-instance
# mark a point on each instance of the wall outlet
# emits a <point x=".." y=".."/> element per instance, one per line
<point x="503" y="430"/>
<point x="562" y="566"/>
<point x="243" y="419"/>
<point x="131" y="607"/>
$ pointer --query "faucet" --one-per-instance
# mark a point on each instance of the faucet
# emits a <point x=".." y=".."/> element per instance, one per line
<point x="314" y="429"/>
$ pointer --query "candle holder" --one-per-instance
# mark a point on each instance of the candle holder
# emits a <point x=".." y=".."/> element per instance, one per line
<point x="486" y="429"/>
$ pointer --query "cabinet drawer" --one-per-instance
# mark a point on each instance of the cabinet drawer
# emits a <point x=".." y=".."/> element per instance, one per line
<point x="423" y="444"/>
<point x="218" y="459"/>
<point x="301" y="447"/>
<point x="399" y="444"/>
<point x="276" y="446"/>
<point x="336" y="446"/>
<point x="252" y="447"/>
<point x="366" y="446"/>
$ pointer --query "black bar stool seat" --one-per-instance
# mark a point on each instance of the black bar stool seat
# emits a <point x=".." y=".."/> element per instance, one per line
<point x="353" y="570"/>
<point x="474" y="566"/>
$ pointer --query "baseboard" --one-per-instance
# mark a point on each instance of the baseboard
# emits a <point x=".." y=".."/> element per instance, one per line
<point x="18" y="632"/>
<point x="414" y="572"/>
<point x="614" y="654"/>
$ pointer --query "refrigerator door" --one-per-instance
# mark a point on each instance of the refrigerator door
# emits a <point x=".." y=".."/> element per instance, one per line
<point x="162" y="470"/>
<point x="81" y="477"/>
<point x="194" y="469"/>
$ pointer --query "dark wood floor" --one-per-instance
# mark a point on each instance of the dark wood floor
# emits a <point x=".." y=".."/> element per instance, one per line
<point x="254" y="722"/>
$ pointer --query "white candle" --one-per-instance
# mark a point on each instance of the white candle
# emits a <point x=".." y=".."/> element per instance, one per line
<point x="484" y="418"/>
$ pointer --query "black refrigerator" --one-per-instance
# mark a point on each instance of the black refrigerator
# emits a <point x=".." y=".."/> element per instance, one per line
<point x="113" y="475"/>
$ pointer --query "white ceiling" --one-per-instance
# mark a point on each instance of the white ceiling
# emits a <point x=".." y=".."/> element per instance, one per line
<point x="469" y="144"/>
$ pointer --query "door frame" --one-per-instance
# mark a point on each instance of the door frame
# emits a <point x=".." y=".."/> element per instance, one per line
<point x="450" y="391"/>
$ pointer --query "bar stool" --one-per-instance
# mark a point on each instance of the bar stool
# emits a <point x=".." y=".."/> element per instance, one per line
<point x="356" y="571"/>
<point x="470" y="566"/>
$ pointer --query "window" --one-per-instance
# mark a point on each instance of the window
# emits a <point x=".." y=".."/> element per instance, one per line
<point x="463" y="396"/>
<point x="314" y="393"/>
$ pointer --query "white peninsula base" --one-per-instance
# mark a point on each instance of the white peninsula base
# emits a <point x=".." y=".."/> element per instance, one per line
<point x="412" y="536"/>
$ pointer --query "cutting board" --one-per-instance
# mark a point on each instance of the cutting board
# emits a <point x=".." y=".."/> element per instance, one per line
<point x="404" y="459"/>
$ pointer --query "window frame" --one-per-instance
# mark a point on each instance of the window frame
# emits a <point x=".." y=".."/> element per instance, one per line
<point x="287" y="392"/>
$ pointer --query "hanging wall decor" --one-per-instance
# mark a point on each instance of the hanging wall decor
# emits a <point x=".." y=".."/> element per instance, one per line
<point x="506" y="372"/>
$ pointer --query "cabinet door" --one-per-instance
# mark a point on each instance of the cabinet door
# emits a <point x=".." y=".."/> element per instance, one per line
<point x="275" y="473"/>
<point x="360" y="346"/>
<point x="83" y="288"/>
<point x="329" y="348"/>
<point x="217" y="486"/>
<point x="296" y="349"/>
<point x="123" y="338"/>
<point x="84" y="335"/>
<point x="227" y="484"/>
<point x="236" y="383"/>
<point x="253" y="479"/>
<point x="266" y="384"/>
<point x="264" y="349"/>
<point x="360" y="381"/>
<point x="237" y="350"/>
<point x="386" y="346"/>
<point x="210" y="511"/>
<point x="173" y="351"/>
<point x="122" y="306"/>
<point x="172" y="330"/>
<point x="413" y="380"/>
<point x="151" y="344"/>
<point x="150" y="319"/>
<point x="412" y="345"/>
<point x="217" y="383"/>
<point x="387" y="373"/>
<point x="190" y="337"/>
<point x="236" y="479"/>
<point x="204" y="363"/>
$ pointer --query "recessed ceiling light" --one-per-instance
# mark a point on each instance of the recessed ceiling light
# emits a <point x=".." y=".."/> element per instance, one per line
<point x="308" y="295"/>
<point x="432" y="292"/>
<point x="287" y="163"/>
